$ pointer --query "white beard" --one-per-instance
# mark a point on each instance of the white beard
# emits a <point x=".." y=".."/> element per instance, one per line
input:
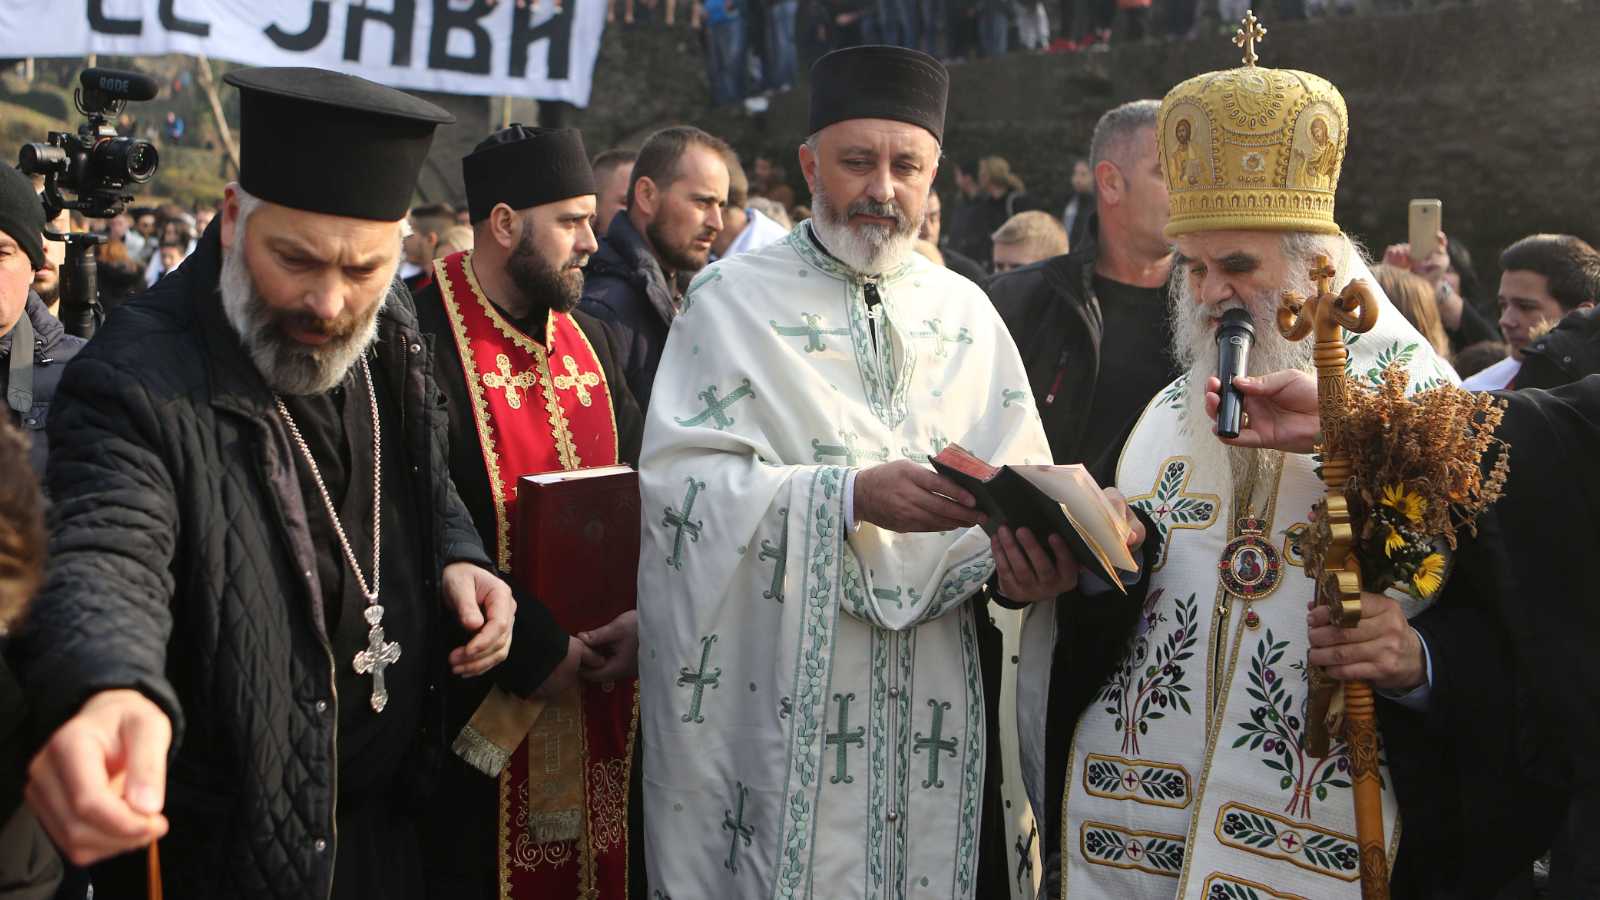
<point x="868" y="249"/>
<point x="287" y="366"/>
<point x="1194" y="345"/>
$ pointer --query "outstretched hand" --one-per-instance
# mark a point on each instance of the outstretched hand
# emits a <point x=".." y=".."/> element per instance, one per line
<point x="1280" y="410"/>
<point x="98" y="786"/>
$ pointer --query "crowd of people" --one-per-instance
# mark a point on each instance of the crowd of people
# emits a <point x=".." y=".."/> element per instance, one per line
<point x="270" y="642"/>
<point x="754" y="48"/>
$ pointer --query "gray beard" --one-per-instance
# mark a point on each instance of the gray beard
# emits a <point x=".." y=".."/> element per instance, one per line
<point x="287" y="366"/>
<point x="868" y="249"/>
<point x="1194" y="345"/>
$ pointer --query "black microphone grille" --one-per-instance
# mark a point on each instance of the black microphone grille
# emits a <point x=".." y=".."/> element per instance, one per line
<point x="119" y="84"/>
<point x="1237" y="319"/>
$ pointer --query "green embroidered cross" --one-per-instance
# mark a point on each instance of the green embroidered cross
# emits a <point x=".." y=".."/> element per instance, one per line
<point x="846" y="448"/>
<point x="673" y="518"/>
<point x="940" y="339"/>
<point x="812" y="331"/>
<point x="894" y="595"/>
<point x="1008" y="397"/>
<point x="716" y="410"/>
<point x="936" y="440"/>
<point x="934" y="745"/>
<point x="733" y="820"/>
<point x="843" y="739"/>
<point x="777" y="554"/>
<point x="700" y="680"/>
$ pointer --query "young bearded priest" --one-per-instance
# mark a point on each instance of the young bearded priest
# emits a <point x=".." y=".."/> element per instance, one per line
<point x="533" y="386"/>
<point x="259" y="564"/>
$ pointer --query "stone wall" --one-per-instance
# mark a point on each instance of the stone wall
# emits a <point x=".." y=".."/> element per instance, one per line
<point x="1490" y="107"/>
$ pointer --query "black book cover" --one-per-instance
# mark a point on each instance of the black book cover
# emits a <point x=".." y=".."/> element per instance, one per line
<point x="1008" y="499"/>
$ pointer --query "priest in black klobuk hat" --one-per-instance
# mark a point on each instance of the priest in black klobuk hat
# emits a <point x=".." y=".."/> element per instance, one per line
<point x="262" y="579"/>
<point x="818" y="643"/>
<point x="559" y="402"/>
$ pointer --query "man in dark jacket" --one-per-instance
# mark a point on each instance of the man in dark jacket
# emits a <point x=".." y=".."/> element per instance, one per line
<point x="680" y="186"/>
<point x="531" y="194"/>
<point x="34" y="348"/>
<point x="1092" y="326"/>
<point x="1492" y="752"/>
<point x="1569" y="352"/>
<point x="258" y="558"/>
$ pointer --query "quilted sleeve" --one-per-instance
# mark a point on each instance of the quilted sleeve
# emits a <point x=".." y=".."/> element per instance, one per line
<point x="103" y="618"/>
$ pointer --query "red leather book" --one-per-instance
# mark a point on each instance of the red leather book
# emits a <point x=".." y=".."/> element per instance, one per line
<point x="575" y="543"/>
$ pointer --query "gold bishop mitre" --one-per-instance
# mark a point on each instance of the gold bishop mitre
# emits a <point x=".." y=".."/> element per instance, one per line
<point x="1252" y="148"/>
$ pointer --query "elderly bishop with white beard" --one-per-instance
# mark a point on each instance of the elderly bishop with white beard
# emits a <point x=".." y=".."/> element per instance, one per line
<point x="1177" y="763"/>
<point x="810" y="612"/>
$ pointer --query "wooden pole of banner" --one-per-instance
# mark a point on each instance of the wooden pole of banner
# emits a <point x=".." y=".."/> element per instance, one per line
<point x="202" y="67"/>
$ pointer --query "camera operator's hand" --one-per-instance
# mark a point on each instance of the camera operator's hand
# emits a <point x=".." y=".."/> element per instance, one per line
<point x="99" y="784"/>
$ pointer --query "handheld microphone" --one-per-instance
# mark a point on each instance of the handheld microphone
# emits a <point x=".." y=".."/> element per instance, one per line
<point x="1234" y="337"/>
<point x="114" y="84"/>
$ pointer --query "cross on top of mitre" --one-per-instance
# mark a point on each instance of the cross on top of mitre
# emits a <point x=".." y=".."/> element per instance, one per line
<point x="1250" y="31"/>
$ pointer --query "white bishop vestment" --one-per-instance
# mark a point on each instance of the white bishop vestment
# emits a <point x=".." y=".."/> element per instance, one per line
<point x="1187" y="776"/>
<point x="811" y="697"/>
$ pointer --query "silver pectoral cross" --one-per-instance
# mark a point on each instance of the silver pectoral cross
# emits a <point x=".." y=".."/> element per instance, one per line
<point x="377" y="657"/>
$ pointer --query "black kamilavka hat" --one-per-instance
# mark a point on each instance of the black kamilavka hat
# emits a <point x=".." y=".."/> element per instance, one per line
<point x="524" y="167"/>
<point x="879" y="82"/>
<point x="326" y="142"/>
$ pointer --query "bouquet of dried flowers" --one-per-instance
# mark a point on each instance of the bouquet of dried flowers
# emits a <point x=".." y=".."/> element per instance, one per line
<point x="1422" y="468"/>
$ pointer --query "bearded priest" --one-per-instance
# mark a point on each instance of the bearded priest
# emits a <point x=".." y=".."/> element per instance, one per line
<point x="258" y="553"/>
<point x="1175" y="753"/>
<point x="810" y="610"/>
<point x="531" y="385"/>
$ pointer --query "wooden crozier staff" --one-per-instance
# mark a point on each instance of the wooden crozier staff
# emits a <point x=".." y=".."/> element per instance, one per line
<point x="1332" y="559"/>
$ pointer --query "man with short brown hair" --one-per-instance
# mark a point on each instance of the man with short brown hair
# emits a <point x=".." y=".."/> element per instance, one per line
<point x="674" y="214"/>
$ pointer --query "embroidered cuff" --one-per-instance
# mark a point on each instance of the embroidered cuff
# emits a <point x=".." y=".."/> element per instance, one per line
<point x="850" y="500"/>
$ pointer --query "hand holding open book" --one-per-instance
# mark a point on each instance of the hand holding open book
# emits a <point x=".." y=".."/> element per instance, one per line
<point x="1046" y="522"/>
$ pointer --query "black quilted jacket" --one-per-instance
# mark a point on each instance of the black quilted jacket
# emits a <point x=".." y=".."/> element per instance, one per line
<point x="182" y="567"/>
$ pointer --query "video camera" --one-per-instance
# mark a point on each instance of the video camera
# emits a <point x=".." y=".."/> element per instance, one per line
<point x="97" y="165"/>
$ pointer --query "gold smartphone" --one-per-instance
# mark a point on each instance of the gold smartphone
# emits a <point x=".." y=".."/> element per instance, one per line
<point x="1427" y="220"/>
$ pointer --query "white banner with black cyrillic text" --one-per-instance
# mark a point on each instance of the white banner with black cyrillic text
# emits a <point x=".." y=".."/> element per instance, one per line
<point x="537" y="49"/>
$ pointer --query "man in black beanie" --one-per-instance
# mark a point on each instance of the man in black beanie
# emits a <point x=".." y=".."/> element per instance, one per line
<point x="500" y="315"/>
<point x="259" y="563"/>
<point x="34" y="348"/>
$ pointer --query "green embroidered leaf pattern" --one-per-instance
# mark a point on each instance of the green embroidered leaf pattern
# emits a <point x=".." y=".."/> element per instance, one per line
<point x="1276" y="731"/>
<point x="1152" y="853"/>
<point x="1392" y="354"/>
<point x="1323" y="852"/>
<point x="1170" y="506"/>
<point x="1142" y="690"/>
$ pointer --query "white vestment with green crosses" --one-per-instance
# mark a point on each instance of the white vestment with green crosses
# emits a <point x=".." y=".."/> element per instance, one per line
<point x="1187" y="776"/>
<point x="811" y="698"/>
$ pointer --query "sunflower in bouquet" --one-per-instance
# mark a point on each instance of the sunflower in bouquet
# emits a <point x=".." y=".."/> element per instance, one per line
<point x="1422" y="468"/>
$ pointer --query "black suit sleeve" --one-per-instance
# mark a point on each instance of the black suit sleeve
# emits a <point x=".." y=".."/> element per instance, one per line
<point x="1472" y="818"/>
